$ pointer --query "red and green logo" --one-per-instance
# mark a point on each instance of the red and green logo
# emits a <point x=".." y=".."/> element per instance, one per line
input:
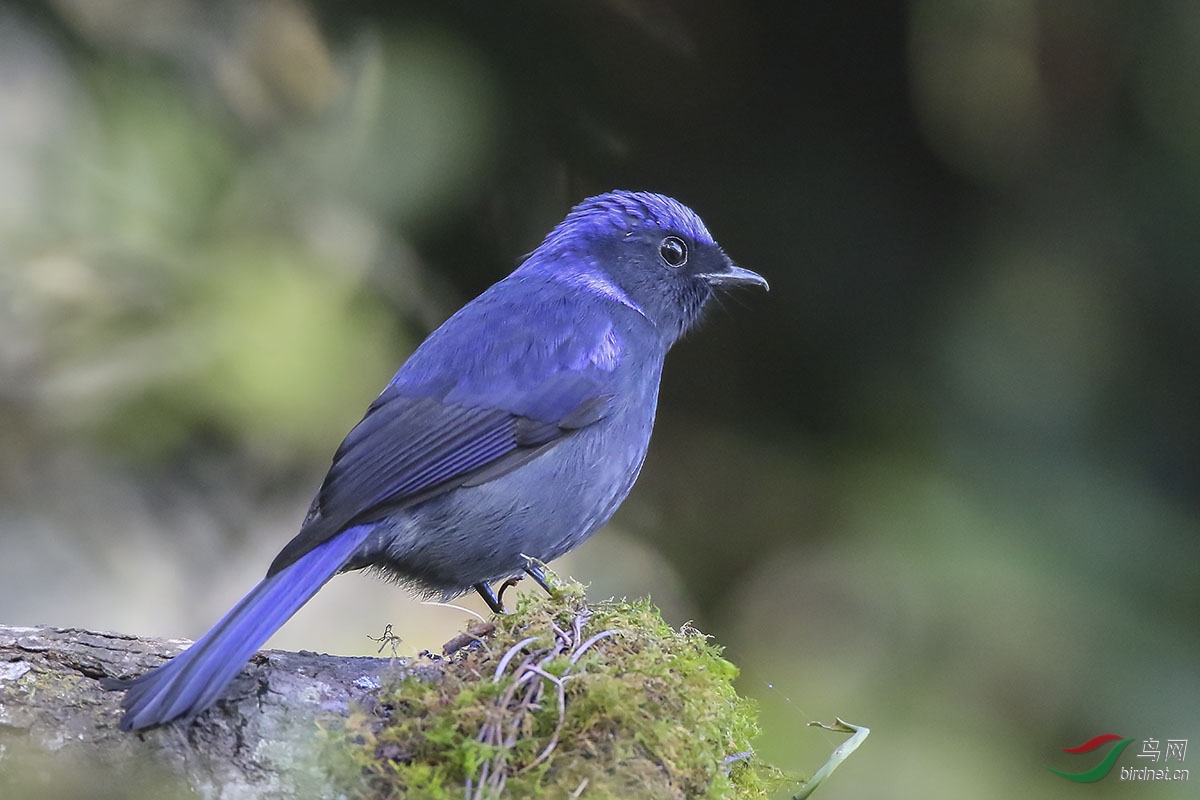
<point x="1100" y="770"/>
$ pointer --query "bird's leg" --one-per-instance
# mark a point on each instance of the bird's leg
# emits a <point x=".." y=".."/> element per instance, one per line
<point x="535" y="571"/>
<point x="508" y="584"/>
<point x="532" y="568"/>
<point x="490" y="598"/>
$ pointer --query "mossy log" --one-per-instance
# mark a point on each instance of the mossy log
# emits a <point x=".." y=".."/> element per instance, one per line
<point x="607" y="702"/>
<point x="58" y="727"/>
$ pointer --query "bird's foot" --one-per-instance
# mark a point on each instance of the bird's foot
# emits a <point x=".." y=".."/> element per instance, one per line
<point x="489" y="597"/>
<point x="533" y="568"/>
<point x="537" y="570"/>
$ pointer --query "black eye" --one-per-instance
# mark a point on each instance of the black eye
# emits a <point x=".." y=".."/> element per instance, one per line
<point x="673" y="251"/>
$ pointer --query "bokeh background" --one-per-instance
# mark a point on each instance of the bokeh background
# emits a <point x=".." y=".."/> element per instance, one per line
<point x="943" y="481"/>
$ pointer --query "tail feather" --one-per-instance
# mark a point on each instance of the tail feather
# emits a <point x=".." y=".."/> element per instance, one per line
<point x="193" y="680"/>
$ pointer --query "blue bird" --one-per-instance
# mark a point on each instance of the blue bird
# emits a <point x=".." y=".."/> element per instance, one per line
<point x="512" y="433"/>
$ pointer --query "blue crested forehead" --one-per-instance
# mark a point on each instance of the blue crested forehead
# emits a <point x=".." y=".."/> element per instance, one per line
<point x="566" y="255"/>
<point x="622" y="212"/>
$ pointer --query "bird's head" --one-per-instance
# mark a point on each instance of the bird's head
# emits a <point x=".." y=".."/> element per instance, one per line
<point x="642" y="250"/>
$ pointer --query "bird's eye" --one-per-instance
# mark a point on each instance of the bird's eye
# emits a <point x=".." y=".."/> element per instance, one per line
<point x="673" y="251"/>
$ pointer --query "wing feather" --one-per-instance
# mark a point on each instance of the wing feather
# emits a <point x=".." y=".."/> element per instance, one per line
<point x="466" y="409"/>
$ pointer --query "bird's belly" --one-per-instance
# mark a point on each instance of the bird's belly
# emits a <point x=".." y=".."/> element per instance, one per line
<point x="542" y="509"/>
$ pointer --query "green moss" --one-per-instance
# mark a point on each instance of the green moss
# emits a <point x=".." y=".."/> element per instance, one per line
<point x="601" y="701"/>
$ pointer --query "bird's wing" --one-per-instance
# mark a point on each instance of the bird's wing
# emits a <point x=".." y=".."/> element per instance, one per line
<point x="464" y="415"/>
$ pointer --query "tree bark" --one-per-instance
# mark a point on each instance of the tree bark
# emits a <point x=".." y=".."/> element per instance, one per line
<point x="261" y="740"/>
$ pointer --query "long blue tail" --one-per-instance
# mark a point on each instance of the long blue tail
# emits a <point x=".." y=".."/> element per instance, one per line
<point x="193" y="680"/>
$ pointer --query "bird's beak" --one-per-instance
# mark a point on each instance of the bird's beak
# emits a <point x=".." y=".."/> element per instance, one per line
<point x="734" y="275"/>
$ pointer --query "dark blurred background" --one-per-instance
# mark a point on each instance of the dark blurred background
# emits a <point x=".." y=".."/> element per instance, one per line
<point x="943" y="481"/>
